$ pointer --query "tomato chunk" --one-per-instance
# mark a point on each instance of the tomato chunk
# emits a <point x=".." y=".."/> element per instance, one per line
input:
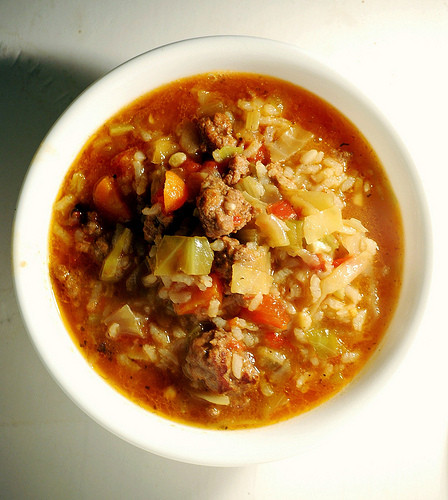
<point x="200" y="299"/>
<point x="283" y="210"/>
<point x="271" y="312"/>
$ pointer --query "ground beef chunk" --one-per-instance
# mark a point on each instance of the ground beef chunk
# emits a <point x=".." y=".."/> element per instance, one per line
<point x="210" y="364"/>
<point x="276" y="173"/>
<point x="155" y="224"/>
<point x="223" y="259"/>
<point x="216" y="133"/>
<point x="222" y="209"/>
<point x="71" y="283"/>
<point x="90" y="238"/>
<point x="238" y="168"/>
<point x="232" y="251"/>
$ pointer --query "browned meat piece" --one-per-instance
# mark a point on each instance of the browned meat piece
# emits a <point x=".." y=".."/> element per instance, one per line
<point x="71" y="282"/>
<point x="210" y="364"/>
<point x="222" y="209"/>
<point x="223" y="259"/>
<point x="216" y="133"/>
<point x="238" y="168"/>
<point x="275" y="172"/>
<point x="155" y="224"/>
<point x="232" y="251"/>
<point x="152" y="228"/>
<point x="91" y="238"/>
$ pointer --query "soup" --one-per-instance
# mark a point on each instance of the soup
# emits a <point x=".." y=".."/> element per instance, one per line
<point x="226" y="251"/>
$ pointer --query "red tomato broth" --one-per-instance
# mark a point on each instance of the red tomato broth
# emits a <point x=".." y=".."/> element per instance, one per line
<point x="165" y="389"/>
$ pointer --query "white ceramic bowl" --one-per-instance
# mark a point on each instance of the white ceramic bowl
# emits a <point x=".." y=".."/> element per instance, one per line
<point x="30" y="249"/>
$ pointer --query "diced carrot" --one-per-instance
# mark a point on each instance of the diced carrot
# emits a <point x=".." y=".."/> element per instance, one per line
<point x="200" y="299"/>
<point x="122" y="164"/>
<point x="271" y="312"/>
<point x="108" y="199"/>
<point x="282" y="209"/>
<point x="175" y="192"/>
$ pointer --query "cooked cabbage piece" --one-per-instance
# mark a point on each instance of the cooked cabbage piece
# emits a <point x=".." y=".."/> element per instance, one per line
<point x="290" y="142"/>
<point x="344" y="274"/>
<point x="309" y="202"/>
<point x="273" y="230"/>
<point x="322" y="223"/>
<point x="324" y="341"/>
<point x="124" y="321"/>
<point x="252" y="277"/>
<point x="187" y="254"/>
<point x="113" y="263"/>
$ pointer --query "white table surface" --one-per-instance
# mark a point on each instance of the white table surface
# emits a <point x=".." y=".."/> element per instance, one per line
<point x="396" y="51"/>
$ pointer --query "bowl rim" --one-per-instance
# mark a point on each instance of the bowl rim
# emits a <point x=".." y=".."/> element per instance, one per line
<point x="150" y="431"/>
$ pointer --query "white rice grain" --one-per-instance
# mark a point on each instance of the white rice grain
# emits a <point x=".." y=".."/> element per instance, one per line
<point x="255" y="302"/>
<point x="237" y="365"/>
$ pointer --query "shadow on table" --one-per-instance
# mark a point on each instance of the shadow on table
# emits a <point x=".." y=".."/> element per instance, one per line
<point x="40" y="428"/>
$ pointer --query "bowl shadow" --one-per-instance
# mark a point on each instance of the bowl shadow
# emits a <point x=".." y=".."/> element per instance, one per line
<point x="40" y="428"/>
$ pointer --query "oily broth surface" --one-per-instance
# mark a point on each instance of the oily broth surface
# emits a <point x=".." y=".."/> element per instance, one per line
<point x="168" y="106"/>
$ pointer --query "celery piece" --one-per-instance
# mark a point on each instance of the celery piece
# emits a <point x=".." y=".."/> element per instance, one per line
<point x="253" y="120"/>
<point x="209" y="103"/>
<point x="120" y="129"/>
<point x="247" y="235"/>
<point x="325" y="342"/>
<point x="322" y="223"/>
<point x="188" y="254"/>
<point x="273" y="230"/>
<point x="110" y="270"/>
<point x="255" y="202"/>
<point x="219" y="155"/>
<point x="295" y="236"/>
<point x="167" y="255"/>
<point x="252" y="186"/>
